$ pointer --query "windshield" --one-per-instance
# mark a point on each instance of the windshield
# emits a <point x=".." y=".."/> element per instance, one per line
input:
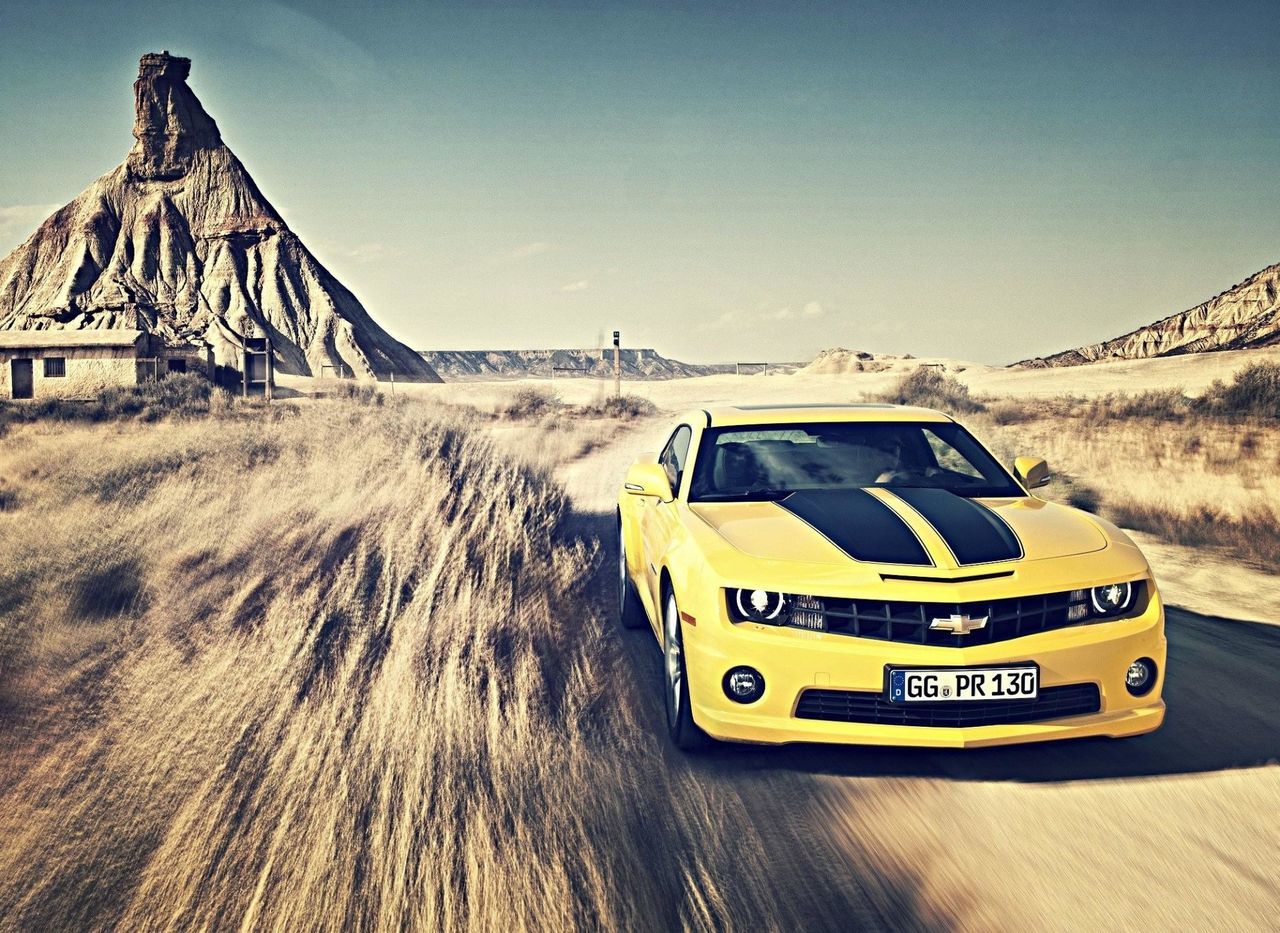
<point x="769" y="462"/>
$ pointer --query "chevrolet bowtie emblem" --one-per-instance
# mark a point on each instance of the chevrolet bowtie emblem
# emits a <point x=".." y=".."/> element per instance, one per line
<point x="959" y="624"/>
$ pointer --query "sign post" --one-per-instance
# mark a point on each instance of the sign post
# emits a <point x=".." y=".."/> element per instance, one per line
<point x="617" y="364"/>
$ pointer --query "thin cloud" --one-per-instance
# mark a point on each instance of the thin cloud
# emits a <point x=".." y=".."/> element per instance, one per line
<point x="579" y="286"/>
<point x="737" y="317"/>
<point x="529" y="250"/>
<point x="726" y="319"/>
<point x="808" y="311"/>
<point x="368" y="252"/>
<point x="321" y="48"/>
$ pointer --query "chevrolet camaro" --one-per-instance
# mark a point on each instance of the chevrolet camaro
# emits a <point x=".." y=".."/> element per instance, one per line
<point x="871" y="574"/>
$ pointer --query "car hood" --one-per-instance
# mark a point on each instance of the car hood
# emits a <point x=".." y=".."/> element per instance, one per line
<point x="912" y="528"/>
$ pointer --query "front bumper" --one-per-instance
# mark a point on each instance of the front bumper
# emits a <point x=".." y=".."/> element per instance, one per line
<point x="793" y="660"/>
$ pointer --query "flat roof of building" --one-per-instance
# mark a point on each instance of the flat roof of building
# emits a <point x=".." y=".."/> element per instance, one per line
<point x="39" y="339"/>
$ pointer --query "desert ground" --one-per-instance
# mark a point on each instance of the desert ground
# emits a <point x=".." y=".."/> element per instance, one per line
<point x="349" y="662"/>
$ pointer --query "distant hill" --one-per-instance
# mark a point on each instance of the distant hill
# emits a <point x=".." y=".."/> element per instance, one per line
<point x="457" y="365"/>
<point x="1240" y="318"/>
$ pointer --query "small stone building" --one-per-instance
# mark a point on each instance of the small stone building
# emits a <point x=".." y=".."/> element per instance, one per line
<point x="81" y="363"/>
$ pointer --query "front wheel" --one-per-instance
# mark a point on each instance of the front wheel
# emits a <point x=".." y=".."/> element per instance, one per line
<point x="630" y="612"/>
<point x="684" y="732"/>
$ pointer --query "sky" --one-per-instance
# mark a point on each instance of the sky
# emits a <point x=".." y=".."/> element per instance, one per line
<point x="720" y="180"/>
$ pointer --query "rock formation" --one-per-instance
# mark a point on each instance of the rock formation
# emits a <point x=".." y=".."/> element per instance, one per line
<point x="597" y="364"/>
<point x="1242" y="317"/>
<point x="838" y="360"/>
<point x="179" y="241"/>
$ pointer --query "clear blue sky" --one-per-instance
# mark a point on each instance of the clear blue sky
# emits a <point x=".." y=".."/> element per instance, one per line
<point x="720" y="180"/>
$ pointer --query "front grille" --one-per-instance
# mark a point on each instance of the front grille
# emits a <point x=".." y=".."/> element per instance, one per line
<point x="851" y="706"/>
<point x="910" y="622"/>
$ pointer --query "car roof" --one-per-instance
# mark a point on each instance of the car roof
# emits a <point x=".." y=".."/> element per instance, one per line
<point x="728" y="416"/>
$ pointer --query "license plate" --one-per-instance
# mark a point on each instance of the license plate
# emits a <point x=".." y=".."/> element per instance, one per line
<point x="970" y="683"/>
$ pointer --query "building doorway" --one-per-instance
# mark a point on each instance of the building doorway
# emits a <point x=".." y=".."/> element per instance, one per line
<point x="21" y="379"/>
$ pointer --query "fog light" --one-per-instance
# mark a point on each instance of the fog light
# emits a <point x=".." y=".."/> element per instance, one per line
<point x="744" y="685"/>
<point x="1140" y="677"/>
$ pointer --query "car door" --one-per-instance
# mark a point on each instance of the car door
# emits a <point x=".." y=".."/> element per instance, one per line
<point x="658" y="518"/>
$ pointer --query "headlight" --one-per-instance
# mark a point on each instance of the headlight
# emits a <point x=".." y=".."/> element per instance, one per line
<point x="759" y="606"/>
<point x="1112" y="599"/>
<point x="1101" y="602"/>
<point x="770" y="608"/>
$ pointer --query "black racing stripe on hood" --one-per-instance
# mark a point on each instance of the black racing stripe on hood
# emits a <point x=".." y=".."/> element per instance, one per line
<point x="859" y="524"/>
<point x="974" y="533"/>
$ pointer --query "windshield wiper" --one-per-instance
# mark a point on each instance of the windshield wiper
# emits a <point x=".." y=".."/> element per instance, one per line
<point x="746" y="495"/>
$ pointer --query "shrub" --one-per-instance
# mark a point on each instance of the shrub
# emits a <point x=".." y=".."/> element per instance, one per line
<point x="1006" y="412"/>
<point x="621" y="406"/>
<point x="1158" y="404"/>
<point x="929" y="388"/>
<point x="362" y="393"/>
<point x="183" y="395"/>
<point x="530" y="402"/>
<point x="1255" y="391"/>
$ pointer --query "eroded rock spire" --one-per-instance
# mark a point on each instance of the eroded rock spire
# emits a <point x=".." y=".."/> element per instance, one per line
<point x="169" y="123"/>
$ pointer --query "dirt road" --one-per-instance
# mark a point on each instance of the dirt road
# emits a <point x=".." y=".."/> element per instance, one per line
<point x="1176" y="829"/>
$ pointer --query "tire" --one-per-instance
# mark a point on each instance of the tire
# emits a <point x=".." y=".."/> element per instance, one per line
<point x="630" y="613"/>
<point x="684" y="732"/>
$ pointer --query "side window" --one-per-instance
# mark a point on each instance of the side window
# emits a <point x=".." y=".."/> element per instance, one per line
<point x="675" y="455"/>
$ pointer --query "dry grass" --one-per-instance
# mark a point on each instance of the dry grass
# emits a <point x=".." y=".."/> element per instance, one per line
<point x="334" y="670"/>
<point x="180" y="395"/>
<point x="1255" y="536"/>
<point x="1198" y="480"/>
<point x="534" y="425"/>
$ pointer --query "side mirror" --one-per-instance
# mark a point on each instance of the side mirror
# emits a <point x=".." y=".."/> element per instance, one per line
<point x="1033" y="472"/>
<point x="648" y="479"/>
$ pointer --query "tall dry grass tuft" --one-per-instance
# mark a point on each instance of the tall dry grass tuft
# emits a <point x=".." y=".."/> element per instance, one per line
<point x="337" y="670"/>
<point x="1150" y="464"/>
<point x="928" y="388"/>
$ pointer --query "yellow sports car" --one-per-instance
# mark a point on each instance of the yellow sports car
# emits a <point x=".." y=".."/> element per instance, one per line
<point x="872" y="574"/>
